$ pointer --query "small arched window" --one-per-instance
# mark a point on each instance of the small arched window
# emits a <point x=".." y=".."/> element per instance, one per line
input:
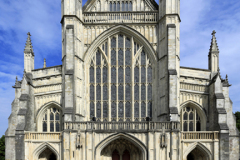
<point x="51" y="120"/>
<point x="191" y="120"/>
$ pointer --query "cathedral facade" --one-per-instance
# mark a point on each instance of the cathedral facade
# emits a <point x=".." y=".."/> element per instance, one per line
<point x="120" y="93"/>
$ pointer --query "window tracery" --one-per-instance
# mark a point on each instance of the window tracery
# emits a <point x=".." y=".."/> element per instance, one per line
<point x="191" y="120"/>
<point x="117" y="6"/>
<point x="120" y="81"/>
<point x="51" y="120"/>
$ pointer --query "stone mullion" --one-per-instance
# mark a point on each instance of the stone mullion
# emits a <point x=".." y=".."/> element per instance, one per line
<point x="146" y="86"/>
<point x="132" y="77"/>
<point x="48" y="120"/>
<point x="109" y="79"/>
<point x="117" y="102"/>
<point x="95" y="87"/>
<point x="124" y="84"/>
<point x="140" y="88"/>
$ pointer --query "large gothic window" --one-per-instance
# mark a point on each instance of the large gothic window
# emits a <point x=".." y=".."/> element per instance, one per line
<point x="120" y="81"/>
<point x="51" y="120"/>
<point x="191" y="120"/>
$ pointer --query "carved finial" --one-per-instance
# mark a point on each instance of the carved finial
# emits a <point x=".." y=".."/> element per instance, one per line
<point x="214" y="46"/>
<point x="28" y="47"/>
<point x="44" y="63"/>
<point x="214" y="32"/>
<point x="16" y="79"/>
<point x="218" y="70"/>
<point x="226" y="77"/>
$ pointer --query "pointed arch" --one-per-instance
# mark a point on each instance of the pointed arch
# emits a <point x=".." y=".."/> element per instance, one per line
<point x="199" y="146"/>
<point x="123" y="29"/>
<point x="101" y="145"/>
<point x="42" y="147"/>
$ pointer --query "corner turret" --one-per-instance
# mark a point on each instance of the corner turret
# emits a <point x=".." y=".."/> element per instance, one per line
<point x="213" y="57"/>
<point x="28" y="55"/>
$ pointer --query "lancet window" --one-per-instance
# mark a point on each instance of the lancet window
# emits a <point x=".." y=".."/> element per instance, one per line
<point x="191" y="120"/>
<point x="51" y="120"/>
<point x="117" y="6"/>
<point x="120" y="81"/>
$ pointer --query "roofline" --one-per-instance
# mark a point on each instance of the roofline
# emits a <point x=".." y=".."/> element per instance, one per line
<point x="47" y="68"/>
<point x="199" y="69"/>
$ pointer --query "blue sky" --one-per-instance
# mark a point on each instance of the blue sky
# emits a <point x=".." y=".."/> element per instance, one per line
<point x="42" y="19"/>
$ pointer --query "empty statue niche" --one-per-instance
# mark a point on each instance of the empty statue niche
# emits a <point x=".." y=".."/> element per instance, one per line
<point x="47" y="154"/>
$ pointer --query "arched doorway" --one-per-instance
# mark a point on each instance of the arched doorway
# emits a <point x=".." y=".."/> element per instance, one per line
<point x="121" y="149"/>
<point x="47" y="154"/>
<point x="197" y="154"/>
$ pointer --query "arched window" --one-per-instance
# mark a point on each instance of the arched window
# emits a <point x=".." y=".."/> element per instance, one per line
<point x="191" y="120"/>
<point x="51" y="120"/>
<point x="120" y="81"/>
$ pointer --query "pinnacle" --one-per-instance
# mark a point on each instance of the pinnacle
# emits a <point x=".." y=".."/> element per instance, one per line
<point x="28" y="47"/>
<point x="44" y="63"/>
<point x="214" y="46"/>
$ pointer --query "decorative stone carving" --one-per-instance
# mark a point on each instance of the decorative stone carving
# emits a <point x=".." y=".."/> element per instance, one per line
<point x="78" y="140"/>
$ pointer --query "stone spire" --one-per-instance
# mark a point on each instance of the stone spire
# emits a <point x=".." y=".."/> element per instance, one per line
<point x="214" y="46"/>
<point x="29" y="47"/>
<point x="44" y="63"/>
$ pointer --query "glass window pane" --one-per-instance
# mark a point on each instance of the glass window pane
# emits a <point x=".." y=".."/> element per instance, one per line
<point x="143" y="92"/>
<point x="91" y="92"/>
<point x="105" y="92"/>
<point x="149" y="92"/>
<point x="120" y="41"/>
<point x="120" y="75"/>
<point x="185" y="126"/>
<point x="110" y="6"/>
<point x="128" y="75"/>
<point x="113" y="92"/>
<point x="198" y="126"/>
<point x="118" y="6"/>
<point x="51" y="116"/>
<point x="143" y="75"/>
<point x="128" y="59"/>
<point x="91" y="74"/>
<point x="191" y="126"/>
<point x="128" y="92"/>
<point x="113" y="75"/>
<point x="51" y="127"/>
<point x="143" y="58"/>
<point x="149" y="75"/>
<point x="98" y="92"/>
<point x="92" y="109"/>
<point x="120" y="92"/>
<point x="128" y="109"/>
<point x="136" y="74"/>
<point x="120" y="109"/>
<point x="54" y="110"/>
<point x="105" y="109"/>
<point x="57" y="127"/>
<point x="105" y="74"/>
<point x="126" y="6"/>
<point x="191" y="116"/>
<point x="44" y="127"/>
<point x="120" y="57"/>
<point x="123" y="6"/>
<point x="185" y="116"/>
<point x="113" y="110"/>
<point x="143" y="109"/>
<point x="127" y="43"/>
<point x="130" y="6"/>
<point x="45" y="116"/>
<point x="98" y="110"/>
<point x="136" y="110"/>
<point x="113" y="42"/>
<point x="136" y="92"/>
<point x="98" y="70"/>
<point x="150" y="109"/>
<point x="113" y="57"/>
<point x="98" y="58"/>
<point x="57" y="116"/>
<point x="106" y="49"/>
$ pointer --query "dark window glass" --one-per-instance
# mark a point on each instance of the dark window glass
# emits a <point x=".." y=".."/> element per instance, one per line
<point x="91" y="109"/>
<point x="130" y="6"/>
<point x="149" y="109"/>
<point x="98" y="58"/>
<point x="120" y="41"/>
<point x="114" y="6"/>
<point x="98" y="110"/>
<point x="91" y="74"/>
<point x="98" y="70"/>
<point x="127" y="43"/>
<point x="120" y="109"/>
<point x="113" y="110"/>
<point x="128" y="75"/>
<point x="136" y="110"/>
<point x="149" y="92"/>
<point x="149" y="75"/>
<point x="143" y="75"/>
<point x="191" y="116"/>
<point x="57" y="127"/>
<point x="105" y="92"/>
<point x="113" y="42"/>
<point x="185" y="116"/>
<point x="44" y="126"/>
<point x="120" y="92"/>
<point x="105" y="74"/>
<point x="113" y="75"/>
<point x="45" y="116"/>
<point x="54" y="110"/>
<point x="103" y="47"/>
<point x="120" y="57"/>
<point x="188" y="109"/>
<point x="143" y="58"/>
<point x="198" y="126"/>
<point x="136" y="74"/>
<point x="113" y="57"/>
<point x="51" y="127"/>
<point x="143" y="92"/>
<point x="51" y="116"/>
<point x="128" y="109"/>
<point x="57" y="116"/>
<point x="106" y="48"/>
<point x="105" y="109"/>
<point x="185" y="126"/>
<point x="120" y="75"/>
<point x="128" y="59"/>
<point x="113" y="92"/>
<point x="118" y="6"/>
<point x="91" y="92"/>
<point x="123" y="9"/>
<point x="191" y="126"/>
<point x="126" y="6"/>
<point x="128" y="92"/>
<point x="110" y="6"/>
<point x="143" y="109"/>
<point x="98" y="92"/>
<point x="136" y="92"/>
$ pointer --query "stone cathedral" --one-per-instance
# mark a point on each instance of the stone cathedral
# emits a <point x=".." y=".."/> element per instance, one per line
<point x="120" y="93"/>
